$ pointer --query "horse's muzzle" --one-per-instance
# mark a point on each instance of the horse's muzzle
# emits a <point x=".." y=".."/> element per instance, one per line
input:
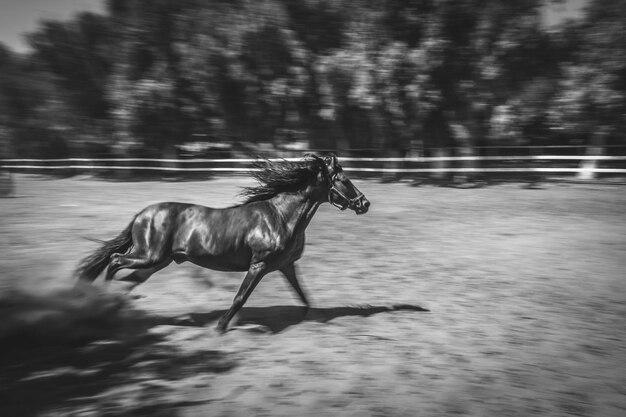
<point x="361" y="206"/>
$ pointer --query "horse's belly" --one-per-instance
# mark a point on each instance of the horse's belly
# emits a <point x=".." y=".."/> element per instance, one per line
<point x="221" y="263"/>
<point x="211" y="248"/>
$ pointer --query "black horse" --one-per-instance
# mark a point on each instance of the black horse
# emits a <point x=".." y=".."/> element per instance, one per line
<point x="264" y="234"/>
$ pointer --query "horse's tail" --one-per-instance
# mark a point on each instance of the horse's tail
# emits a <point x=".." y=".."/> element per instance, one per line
<point x="92" y="265"/>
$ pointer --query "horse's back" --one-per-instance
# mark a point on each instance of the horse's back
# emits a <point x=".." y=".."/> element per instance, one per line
<point x="161" y="215"/>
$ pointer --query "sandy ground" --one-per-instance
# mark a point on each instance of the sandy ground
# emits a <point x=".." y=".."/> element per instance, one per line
<point x="498" y="301"/>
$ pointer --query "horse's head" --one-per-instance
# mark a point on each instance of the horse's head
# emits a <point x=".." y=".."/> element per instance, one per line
<point x="341" y="192"/>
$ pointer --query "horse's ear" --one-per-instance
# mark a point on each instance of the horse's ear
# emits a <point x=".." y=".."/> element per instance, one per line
<point x="321" y="162"/>
<point x="314" y="157"/>
<point x="331" y="160"/>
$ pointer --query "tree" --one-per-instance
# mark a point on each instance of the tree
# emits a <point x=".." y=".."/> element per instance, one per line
<point x="77" y="52"/>
<point x="591" y="98"/>
<point x="33" y="115"/>
<point x="389" y="76"/>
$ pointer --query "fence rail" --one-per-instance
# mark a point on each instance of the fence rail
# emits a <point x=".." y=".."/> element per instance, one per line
<point x="565" y="164"/>
<point x="343" y="159"/>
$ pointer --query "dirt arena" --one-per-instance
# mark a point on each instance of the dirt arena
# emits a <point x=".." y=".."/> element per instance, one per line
<point x="496" y="301"/>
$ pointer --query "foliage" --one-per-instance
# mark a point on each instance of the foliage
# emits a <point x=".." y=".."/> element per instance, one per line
<point x="391" y="75"/>
<point x="591" y="98"/>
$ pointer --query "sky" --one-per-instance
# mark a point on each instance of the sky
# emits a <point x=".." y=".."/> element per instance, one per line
<point x="20" y="16"/>
<point x="569" y="9"/>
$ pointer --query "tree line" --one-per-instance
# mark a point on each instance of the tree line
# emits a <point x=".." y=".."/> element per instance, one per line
<point x="386" y="77"/>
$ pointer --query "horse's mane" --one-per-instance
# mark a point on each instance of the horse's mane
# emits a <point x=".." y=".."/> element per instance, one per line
<point x="275" y="177"/>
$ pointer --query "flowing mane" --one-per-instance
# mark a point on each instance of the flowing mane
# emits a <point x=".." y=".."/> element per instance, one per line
<point x="275" y="177"/>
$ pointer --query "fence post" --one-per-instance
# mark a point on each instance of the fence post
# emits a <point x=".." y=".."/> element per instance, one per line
<point x="7" y="184"/>
<point x="588" y="166"/>
<point x="441" y="166"/>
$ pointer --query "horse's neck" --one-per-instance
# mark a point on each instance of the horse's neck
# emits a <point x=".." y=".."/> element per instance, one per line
<point x="296" y="209"/>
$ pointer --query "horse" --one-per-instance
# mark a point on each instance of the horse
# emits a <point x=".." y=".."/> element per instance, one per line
<point x="265" y="233"/>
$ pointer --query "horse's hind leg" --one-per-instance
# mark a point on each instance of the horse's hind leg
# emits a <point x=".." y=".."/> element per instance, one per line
<point x="290" y="274"/>
<point x="139" y="276"/>
<point x="144" y="266"/>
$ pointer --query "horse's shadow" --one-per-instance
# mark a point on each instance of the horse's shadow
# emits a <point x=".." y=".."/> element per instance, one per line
<point x="278" y="318"/>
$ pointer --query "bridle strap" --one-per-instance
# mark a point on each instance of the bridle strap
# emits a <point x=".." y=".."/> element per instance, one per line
<point x="350" y="202"/>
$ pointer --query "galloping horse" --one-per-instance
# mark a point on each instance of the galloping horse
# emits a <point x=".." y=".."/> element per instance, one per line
<point x="264" y="234"/>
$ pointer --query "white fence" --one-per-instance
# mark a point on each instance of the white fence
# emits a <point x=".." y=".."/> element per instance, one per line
<point x="581" y="165"/>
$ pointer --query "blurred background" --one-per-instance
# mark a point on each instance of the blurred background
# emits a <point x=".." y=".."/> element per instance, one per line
<point x="525" y="288"/>
<point x="165" y="79"/>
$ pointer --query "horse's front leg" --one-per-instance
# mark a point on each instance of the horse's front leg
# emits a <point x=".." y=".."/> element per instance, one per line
<point x="255" y="273"/>
<point x="289" y="272"/>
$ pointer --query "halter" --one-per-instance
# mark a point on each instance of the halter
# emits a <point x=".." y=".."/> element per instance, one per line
<point x="350" y="202"/>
